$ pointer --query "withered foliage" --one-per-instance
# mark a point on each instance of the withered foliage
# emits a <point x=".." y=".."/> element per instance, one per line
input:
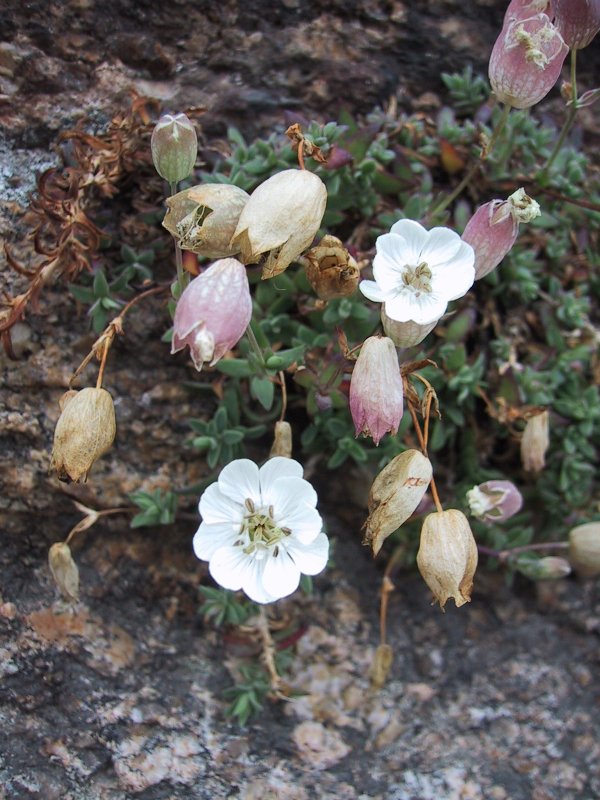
<point x="63" y="234"/>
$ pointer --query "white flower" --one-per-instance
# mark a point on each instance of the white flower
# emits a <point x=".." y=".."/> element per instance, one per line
<point x="260" y="529"/>
<point x="417" y="272"/>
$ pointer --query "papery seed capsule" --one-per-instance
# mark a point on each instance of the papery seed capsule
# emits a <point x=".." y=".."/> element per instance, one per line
<point x="395" y="494"/>
<point x="85" y="431"/>
<point x="280" y="220"/>
<point x="584" y="549"/>
<point x="447" y="557"/>
<point x="535" y="442"/>
<point x="64" y="570"/>
<point x="203" y="218"/>
<point x="331" y="270"/>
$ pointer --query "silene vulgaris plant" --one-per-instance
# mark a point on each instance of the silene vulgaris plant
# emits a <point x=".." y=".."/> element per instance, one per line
<point x="405" y="295"/>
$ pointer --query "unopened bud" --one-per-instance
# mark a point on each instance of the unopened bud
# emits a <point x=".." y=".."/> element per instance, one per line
<point x="535" y="442"/>
<point x="548" y="568"/>
<point x="376" y="394"/>
<point x="84" y="432"/>
<point x="174" y="146"/>
<point x="203" y="218"/>
<point x="280" y="220"/>
<point x="405" y="334"/>
<point x="584" y="549"/>
<point x="64" y="570"/>
<point x="494" y="501"/>
<point x="282" y="444"/>
<point x="395" y="494"/>
<point x="447" y="557"/>
<point x="330" y="269"/>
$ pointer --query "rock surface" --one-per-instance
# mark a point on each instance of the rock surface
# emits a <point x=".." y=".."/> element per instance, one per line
<point x="122" y="696"/>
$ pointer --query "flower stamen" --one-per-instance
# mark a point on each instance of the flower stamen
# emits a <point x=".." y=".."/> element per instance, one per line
<point x="418" y="278"/>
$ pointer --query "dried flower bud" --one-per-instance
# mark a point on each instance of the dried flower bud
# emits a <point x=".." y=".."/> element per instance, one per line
<point x="64" y="570"/>
<point x="584" y="549"/>
<point x="282" y="444"/>
<point x="395" y="494"/>
<point x="548" y="568"/>
<point x="577" y="20"/>
<point x="526" y="61"/>
<point x="535" y="442"/>
<point x="494" y="501"/>
<point x="280" y="220"/>
<point x="174" y="147"/>
<point x="203" y="218"/>
<point x="330" y="269"/>
<point x="380" y="666"/>
<point x="213" y="312"/>
<point x="405" y="334"/>
<point x="376" y="396"/>
<point x="447" y="557"/>
<point x="84" y="432"/>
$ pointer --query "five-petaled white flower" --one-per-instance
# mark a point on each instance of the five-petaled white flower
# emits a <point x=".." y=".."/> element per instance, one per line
<point x="260" y="529"/>
<point x="417" y="272"/>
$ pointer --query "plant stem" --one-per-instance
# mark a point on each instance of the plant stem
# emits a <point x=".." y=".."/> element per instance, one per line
<point x="568" y="122"/>
<point x="445" y="202"/>
<point x="254" y="344"/>
<point x="181" y="277"/>
<point x="423" y="445"/>
<point x="504" y="555"/>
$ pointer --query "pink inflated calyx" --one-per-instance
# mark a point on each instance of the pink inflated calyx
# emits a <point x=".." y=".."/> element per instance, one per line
<point x="376" y="396"/>
<point x="526" y="61"/>
<point x="213" y="312"/>
<point x="493" y="229"/>
<point x="577" y="20"/>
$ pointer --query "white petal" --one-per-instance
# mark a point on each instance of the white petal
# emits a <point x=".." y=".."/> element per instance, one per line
<point x="455" y="277"/>
<point x="423" y="310"/>
<point x="210" y="537"/>
<point x="229" y="567"/>
<point x="286" y="494"/>
<point x="304" y="522"/>
<point x="275" y="468"/>
<point x="254" y="585"/>
<point x="388" y="270"/>
<point x="415" y="237"/>
<point x="310" y="559"/>
<point x="239" y="480"/>
<point x="442" y="245"/>
<point x="214" y="506"/>
<point x="371" y="290"/>
<point x="281" y="575"/>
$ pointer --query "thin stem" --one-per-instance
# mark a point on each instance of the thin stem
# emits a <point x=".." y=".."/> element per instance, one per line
<point x="254" y="344"/>
<point x="569" y="120"/>
<point x="178" y="256"/>
<point x="283" y="395"/>
<point x="504" y="555"/>
<point x="445" y="202"/>
<point x="268" y="651"/>
<point x="105" y="350"/>
<point x="432" y="486"/>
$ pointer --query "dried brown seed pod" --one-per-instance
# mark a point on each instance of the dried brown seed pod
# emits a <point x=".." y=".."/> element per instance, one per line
<point x="85" y="431"/>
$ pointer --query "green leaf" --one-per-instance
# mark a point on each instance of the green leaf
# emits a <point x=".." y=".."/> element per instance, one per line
<point x="236" y="367"/>
<point x="263" y="390"/>
<point x="100" y="284"/>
